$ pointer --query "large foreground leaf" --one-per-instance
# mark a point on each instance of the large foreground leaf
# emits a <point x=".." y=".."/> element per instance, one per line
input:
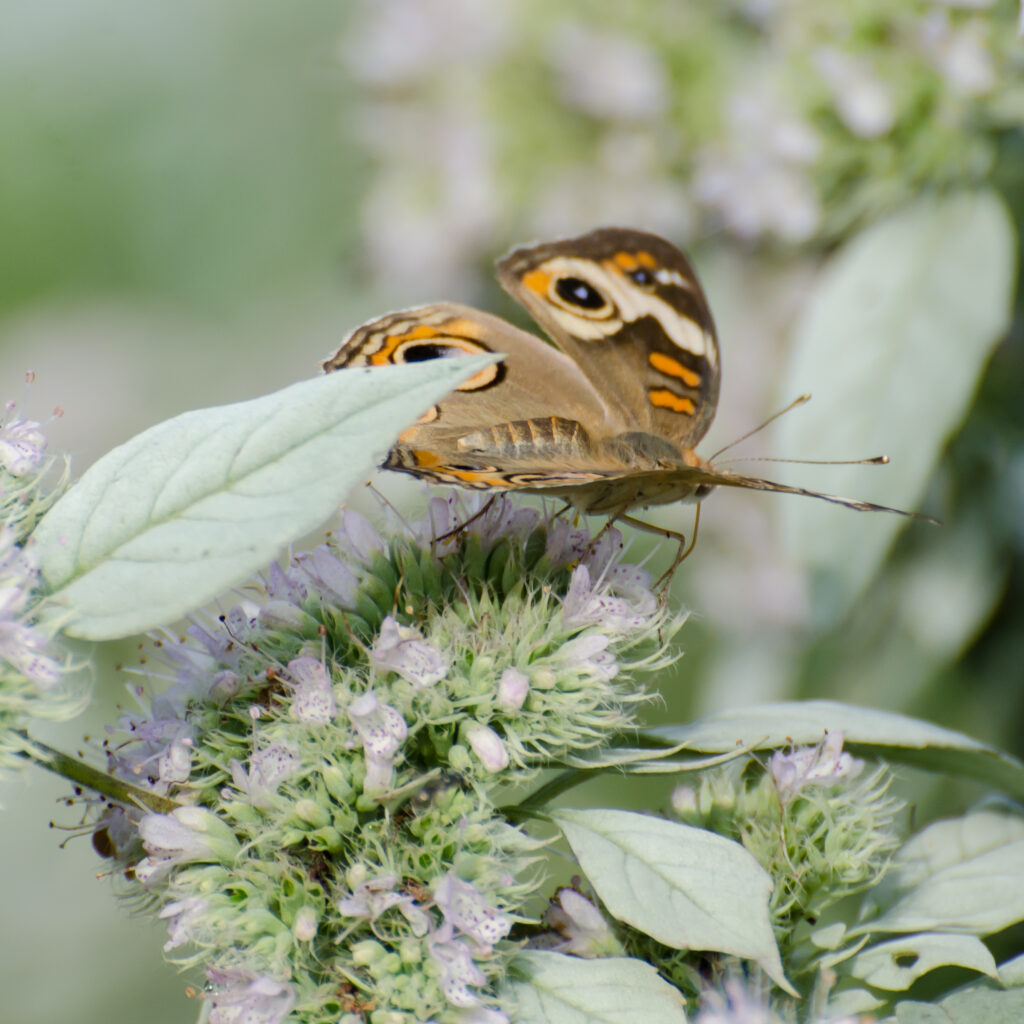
<point x="892" y="345"/>
<point x="866" y="730"/>
<point x="192" y="506"/>
<point x="555" y="989"/>
<point x="684" y="886"/>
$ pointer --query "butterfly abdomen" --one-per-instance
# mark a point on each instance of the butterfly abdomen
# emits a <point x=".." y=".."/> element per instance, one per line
<point x="550" y="437"/>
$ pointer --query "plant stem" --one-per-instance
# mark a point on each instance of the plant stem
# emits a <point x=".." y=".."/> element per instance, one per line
<point x="561" y="783"/>
<point x="88" y="777"/>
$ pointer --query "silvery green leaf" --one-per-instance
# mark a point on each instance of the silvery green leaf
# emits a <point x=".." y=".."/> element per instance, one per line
<point x="1011" y="972"/>
<point x="551" y="988"/>
<point x="892" y="345"/>
<point x="194" y="505"/>
<point x="898" y="963"/>
<point x="684" y="886"/>
<point x="865" y="730"/>
<point x="976" y="1004"/>
<point x="644" y="760"/>
<point x="964" y="874"/>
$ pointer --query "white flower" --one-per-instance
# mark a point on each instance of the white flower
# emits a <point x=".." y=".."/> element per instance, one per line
<point x="22" y="446"/>
<point x="608" y="76"/>
<point x="185" y="835"/>
<point x="268" y="768"/>
<point x="182" y="916"/>
<point x="588" y="655"/>
<point x="513" y="689"/>
<point x="382" y="730"/>
<point x="403" y="650"/>
<point x="862" y="99"/>
<point x="466" y="909"/>
<point x="824" y="764"/>
<point x="304" y="927"/>
<point x="488" y="746"/>
<point x="241" y="998"/>
<point x="314" y="701"/>
<point x="620" y="601"/>
<point x="961" y="55"/>
<point x="581" y="925"/>
<point x="457" y="971"/>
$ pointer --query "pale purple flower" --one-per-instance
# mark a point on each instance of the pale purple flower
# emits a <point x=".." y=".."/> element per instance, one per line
<point x="488" y="746"/>
<point x="502" y="519"/>
<point x="22" y="446"/>
<point x="329" y="576"/>
<point x="457" y="970"/>
<point x="513" y="689"/>
<point x="357" y="537"/>
<point x="21" y="645"/>
<point x="581" y="925"/>
<point x="314" y="701"/>
<point x="466" y="909"/>
<point x="183" y="917"/>
<point x="282" y="616"/>
<point x="241" y="998"/>
<point x="285" y="585"/>
<point x="268" y="768"/>
<point x="824" y="765"/>
<point x="565" y="543"/>
<point x="403" y="650"/>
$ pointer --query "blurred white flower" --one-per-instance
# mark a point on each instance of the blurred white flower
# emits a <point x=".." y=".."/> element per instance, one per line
<point x="960" y="55"/>
<point x="757" y="179"/>
<point x="607" y="76"/>
<point x="863" y="101"/>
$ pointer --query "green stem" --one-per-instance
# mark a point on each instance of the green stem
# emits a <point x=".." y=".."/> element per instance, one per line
<point x="88" y="777"/>
<point x="560" y="784"/>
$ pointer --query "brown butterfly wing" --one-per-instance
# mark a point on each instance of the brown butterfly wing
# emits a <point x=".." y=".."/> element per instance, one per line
<point x="528" y="421"/>
<point x="627" y="307"/>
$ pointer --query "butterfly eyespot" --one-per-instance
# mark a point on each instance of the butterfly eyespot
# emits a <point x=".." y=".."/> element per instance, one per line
<point x="420" y="353"/>
<point x="577" y="292"/>
<point x="642" y="276"/>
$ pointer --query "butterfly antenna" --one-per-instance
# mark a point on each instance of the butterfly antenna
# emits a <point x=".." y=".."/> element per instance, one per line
<point x="874" y="460"/>
<point x="802" y="400"/>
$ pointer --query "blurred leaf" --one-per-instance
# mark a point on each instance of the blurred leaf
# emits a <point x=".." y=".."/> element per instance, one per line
<point x="569" y="990"/>
<point x="977" y="1004"/>
<point x="684" y="886"/>
<point x="192" y="506"/>
<point x="965" y="874"/>
<point x="892" y="345"/>
<point x="869" y="731"/>
<point x="897" y="964"/>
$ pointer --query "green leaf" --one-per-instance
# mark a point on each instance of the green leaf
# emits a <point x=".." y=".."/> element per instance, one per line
<point x="684" y="886"/>
<point x="892" y="345"/>
<point x="897" y="964"/>
<point x="552" y="988"/>
<point x="867" y="731"/>
<point x="965" y="874"/>
<point x="194" y="505"/>
<point x="977" y="1004"/>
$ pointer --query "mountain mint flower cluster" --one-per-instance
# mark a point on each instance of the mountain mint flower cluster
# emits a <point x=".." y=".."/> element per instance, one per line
<point x="33" y="678"/>
<point x="335" y="742"/>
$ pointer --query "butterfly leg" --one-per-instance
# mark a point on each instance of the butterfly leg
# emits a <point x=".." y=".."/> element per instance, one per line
<point x="472" y="519"/>
<point x="661" y="531"/>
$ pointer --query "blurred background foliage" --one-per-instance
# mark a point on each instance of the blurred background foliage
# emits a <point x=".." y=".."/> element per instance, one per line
<point x="199" y="199"/>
